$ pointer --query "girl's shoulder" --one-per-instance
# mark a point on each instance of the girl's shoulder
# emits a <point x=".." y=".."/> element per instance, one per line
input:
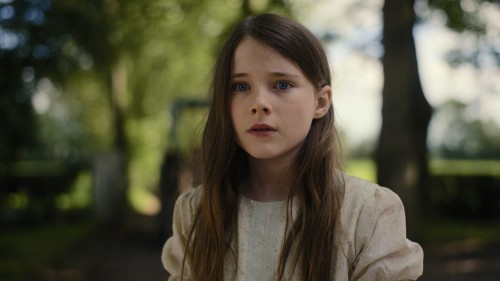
<point x="374" y="233"/>
<point x="186" y="206"/>
<point x="364" y="202"/>
<point x="360" y="193"/>
<point x="189" y="199"/>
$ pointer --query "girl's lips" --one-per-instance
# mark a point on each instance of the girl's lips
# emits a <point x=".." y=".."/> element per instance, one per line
<point x="261" y="130"/>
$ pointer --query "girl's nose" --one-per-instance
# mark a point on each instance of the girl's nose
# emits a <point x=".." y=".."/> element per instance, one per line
<point x="261" y="102"/>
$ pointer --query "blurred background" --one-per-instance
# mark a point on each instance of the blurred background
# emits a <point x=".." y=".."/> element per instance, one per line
<point x="102" y="105"/>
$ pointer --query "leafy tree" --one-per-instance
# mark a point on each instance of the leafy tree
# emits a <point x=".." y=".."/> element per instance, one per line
<point x="115" y="66"/>
<point x="33" y="45"/>
<point x="458" y="134"/>
<point x="470" y="17"/>
<point x="402" y="150"/>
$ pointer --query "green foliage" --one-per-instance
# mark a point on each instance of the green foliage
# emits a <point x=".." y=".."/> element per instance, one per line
<point x="79" y="196"/>
<point x="476" y="17"/>
<point x="163" y="50"/>
<point x="31" y="46"/>
<point x="361" y="167"/>
<point x="457" y="132"/>
<point x="462" y="15"/>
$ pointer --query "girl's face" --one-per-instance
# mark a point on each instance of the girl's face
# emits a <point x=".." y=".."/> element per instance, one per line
<point x="272" y="103"/>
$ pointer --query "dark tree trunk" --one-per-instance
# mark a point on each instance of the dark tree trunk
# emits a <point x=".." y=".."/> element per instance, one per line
<point x="111" y="187"/>
<point x="402" y="151"/>
<point x="169" y="190"/>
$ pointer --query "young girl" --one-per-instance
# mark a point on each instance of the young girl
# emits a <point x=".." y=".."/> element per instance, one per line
<point x="273" y="204"/>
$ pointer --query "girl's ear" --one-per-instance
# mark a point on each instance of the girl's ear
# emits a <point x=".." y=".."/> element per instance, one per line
<point x="323" y="101"/>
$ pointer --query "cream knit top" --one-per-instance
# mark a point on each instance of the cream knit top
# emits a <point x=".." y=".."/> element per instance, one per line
<point x="372" y="238"/>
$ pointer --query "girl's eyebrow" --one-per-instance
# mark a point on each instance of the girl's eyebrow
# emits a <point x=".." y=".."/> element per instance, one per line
<point x="284" y="74"/>
<point x="276" y="74"/>
<point x="237" y="75"/>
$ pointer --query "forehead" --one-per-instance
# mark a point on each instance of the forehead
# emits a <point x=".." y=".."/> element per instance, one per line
<point x="251" y="54"/>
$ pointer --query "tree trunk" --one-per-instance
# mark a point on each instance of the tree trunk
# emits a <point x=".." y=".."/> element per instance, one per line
<point x="402" y="151"/>
<point x="119" y="103"/>
<point x="169" y="190"/>
<point x="112" y="169"/>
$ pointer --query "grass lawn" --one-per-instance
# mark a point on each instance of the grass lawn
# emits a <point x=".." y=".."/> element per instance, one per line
<point x="441" y="230"/>
<point x="365" y="167"/>
<point x="465" y="167"/>
<point x="29" y="252"/>
<point x="437" y="230"/>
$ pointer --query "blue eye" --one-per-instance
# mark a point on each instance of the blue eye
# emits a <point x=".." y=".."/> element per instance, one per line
<point x="282" y="85"/>
<point x="240" y="87"/>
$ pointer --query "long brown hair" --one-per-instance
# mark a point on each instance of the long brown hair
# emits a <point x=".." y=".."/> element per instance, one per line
<point x="312" y="233"/>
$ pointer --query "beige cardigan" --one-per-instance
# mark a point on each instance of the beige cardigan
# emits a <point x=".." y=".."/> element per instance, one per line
<point x="373" y="237"/>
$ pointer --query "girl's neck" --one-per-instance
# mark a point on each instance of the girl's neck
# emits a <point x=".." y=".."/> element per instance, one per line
<point x="267" y="180"/>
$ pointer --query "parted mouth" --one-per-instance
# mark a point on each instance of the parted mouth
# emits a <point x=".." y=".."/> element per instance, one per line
<point x="261" y="128"/>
